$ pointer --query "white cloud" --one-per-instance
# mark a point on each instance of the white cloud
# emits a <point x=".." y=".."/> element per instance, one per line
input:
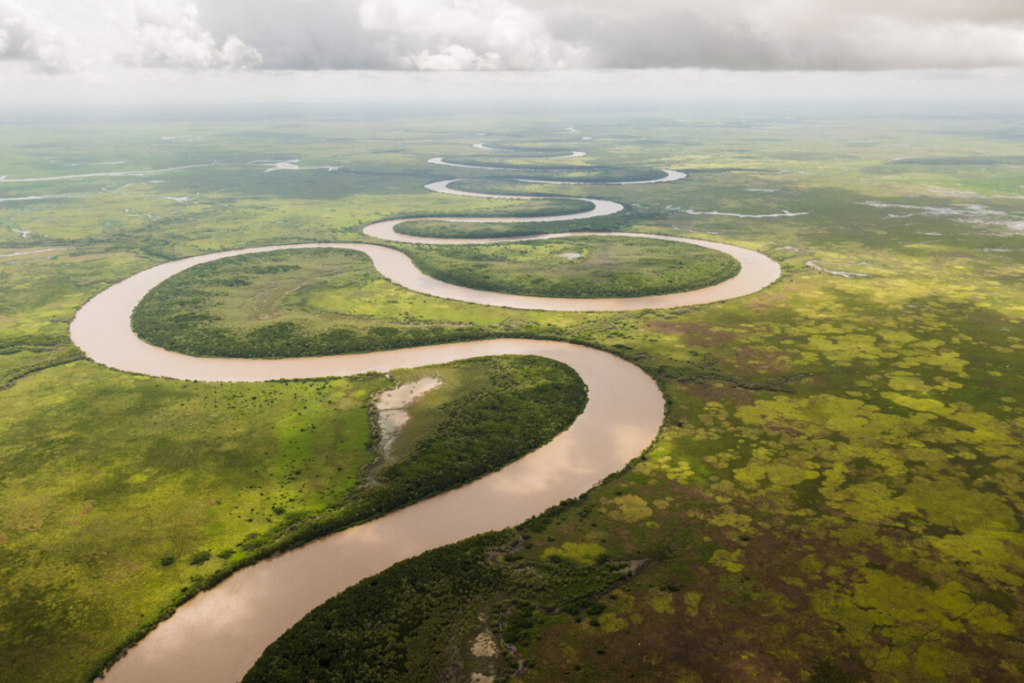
<point x="26" y="35"/>
<point x="168" y="34"/>
<point x="89" y="35"/>
<point x="454" y="58"/>
<point x="469" y="34"/>
<point x="236" y="54"/>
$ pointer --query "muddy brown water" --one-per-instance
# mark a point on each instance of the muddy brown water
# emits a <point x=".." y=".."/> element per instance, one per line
<point x="217" y="636"/>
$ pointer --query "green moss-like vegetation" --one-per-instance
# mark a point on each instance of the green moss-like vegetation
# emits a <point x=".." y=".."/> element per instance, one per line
<point x="246" y="306"/>
<point x="406" y="623"/>
<point x="836" y="494"/>
<point x="513" y="407"/>
<point x="499" y="208"/>
<point x="380" y="629"/>
<point x="111" y="519"/>
<point x="314" y="302"/>
<point x="581" y="267"/>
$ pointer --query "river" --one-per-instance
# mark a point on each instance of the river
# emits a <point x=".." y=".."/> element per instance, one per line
<point x="217" y="636"/>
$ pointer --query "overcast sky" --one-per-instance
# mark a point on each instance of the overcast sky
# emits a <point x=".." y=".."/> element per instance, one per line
<point x="199" y="48"/>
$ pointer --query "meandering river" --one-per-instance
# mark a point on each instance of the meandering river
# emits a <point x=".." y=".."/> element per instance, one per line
<point x="217" y="636"/>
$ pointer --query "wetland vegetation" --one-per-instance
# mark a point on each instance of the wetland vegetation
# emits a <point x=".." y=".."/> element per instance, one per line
<point x="114" y="518"/>
<point x="582" y="267"/>
<point x="286" y="304"/>
<point x="265" y="305"/>
<point x="836" y="493"/>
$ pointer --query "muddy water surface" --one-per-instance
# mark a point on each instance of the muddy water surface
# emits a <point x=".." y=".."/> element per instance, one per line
<point x="217" y="636"/>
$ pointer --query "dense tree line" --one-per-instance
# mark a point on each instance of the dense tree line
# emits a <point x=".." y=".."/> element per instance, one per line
<point x="525" y="403"/>
<point x="627" y="270"/>
<point x="617" y="222"/>
<point x="404" y="624"/>
<point x="177" y="315"/>
<point x="591" y="173"/>
<point x="187" y="334"/>
<point x="48" y="350"/>
<point x="385" y="628"/>
<point x="544" y="206"/>
<point x="524" y="406"/>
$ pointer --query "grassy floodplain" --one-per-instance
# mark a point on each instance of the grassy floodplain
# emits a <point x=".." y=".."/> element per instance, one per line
<point x="125" y="495"/>
<point x="585" y="267"/>
<point x="836" y="493"/>
<point x="271" y="305"/>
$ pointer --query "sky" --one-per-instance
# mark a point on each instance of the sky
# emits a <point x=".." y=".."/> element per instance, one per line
<point x="207" y="51"/>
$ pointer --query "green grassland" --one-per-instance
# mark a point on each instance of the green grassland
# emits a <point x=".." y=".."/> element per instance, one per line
<point x="836" y="494"/>
<point x="268" y="305"/>
<point x="113" y="484"/>
<point x="583" y="267"/>
<point x="620" y="221"/>
<point x="537" y="385"/>
<point x="575" y="170"/>
<point x="123" y="496"/>
<point x="303" y="303"/>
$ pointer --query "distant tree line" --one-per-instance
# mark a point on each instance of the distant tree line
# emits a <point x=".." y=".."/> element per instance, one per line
<point x="685" y="269"/>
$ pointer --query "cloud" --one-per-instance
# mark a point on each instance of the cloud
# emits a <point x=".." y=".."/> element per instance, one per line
<point x="792" y="34"/>
<point x="168" y="34"/>
<point x="86" y="35"/>
<point x="454" y="58"/>
<point x="468" y="34"/>
<point x="26" y="36"/>
<point x="491" y="35"/>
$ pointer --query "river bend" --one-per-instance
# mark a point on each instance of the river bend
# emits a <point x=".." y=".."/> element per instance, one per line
<point x="217" y="636"/>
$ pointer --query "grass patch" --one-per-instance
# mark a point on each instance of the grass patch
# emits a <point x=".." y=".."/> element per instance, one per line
<point x="313" y="302"/>
<point x="590" y="267"/>
<point x="110" y="521"/>
<point x="840" y="457"/>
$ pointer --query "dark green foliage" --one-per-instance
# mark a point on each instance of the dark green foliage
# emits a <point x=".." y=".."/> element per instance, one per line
<point x="531" y="170"/>
<point x="520" y="621"/>
<point x="59" y="355"/>
<point x="373" y="632"/>
<point x="178" y="315"/>
<point x="404" y="624"/>
<point x="13" y="343"/>
<point x="201" y="557"/>
<point x="617" y="222"/>
<point x="828" y="672"/>
<point x="524" y="406"/>
<point x="548" y="206"/>
<point x="605" y="267"/>
<point x="46" y="351"/>
<point x="524" y="403"/>
<point x="289" y="340"/>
